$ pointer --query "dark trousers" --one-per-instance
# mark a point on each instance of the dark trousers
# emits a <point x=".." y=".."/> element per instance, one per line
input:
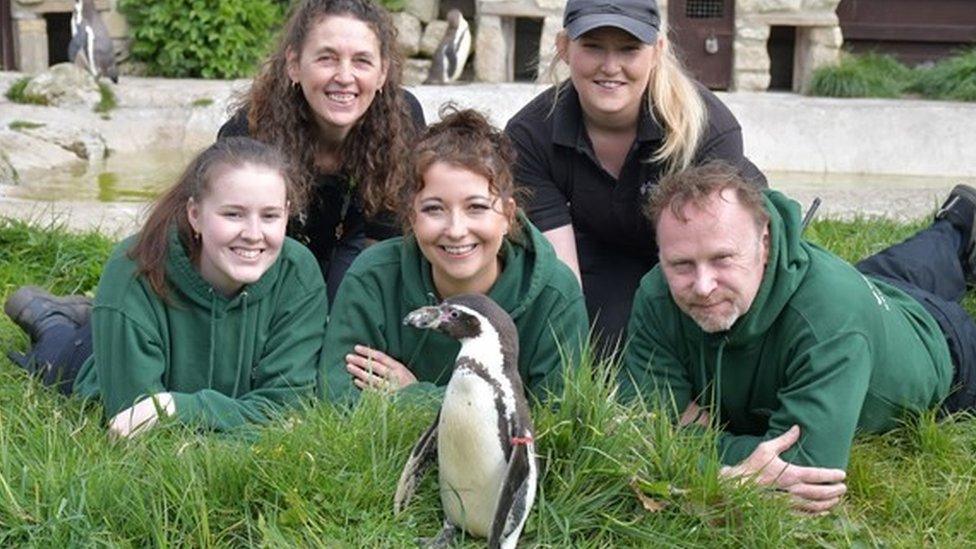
<point x="610" y="281"/>
<point x="345" y="252"/>
<point x="57" y="357"/>
<point x="927" y="267"/>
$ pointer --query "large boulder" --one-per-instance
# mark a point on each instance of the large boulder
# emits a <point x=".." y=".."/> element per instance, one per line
<point x="65" y="85"/>
<point x="415" y="71"/>
<point x="408" y="33"/>
<point x="25" y="153"/>
<point x="425" y="10"/>
<point x="433" y="34"/>
<point x="86" y="144"/>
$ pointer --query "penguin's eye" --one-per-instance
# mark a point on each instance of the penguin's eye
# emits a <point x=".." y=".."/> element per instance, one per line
<point x="455" y="314"/>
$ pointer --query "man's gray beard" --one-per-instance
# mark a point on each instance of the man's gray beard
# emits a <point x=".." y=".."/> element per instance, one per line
<point x="712" y="325"/>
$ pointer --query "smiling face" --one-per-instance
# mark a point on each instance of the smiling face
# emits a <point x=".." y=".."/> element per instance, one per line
<point x="340" y="70"/>
<point x="610" y="69"/>
<point x="459" y="225"/>
<point x="714" y="260"/>
<point x="241" y="225"/>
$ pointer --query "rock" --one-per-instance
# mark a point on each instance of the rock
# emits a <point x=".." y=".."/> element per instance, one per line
<point x="408" y="33"/>
<point x="65" y="85"/>
<point x="26" y="153"/>
<point x="750" y="81"/>
<point x="425" y="10"/>
<point x="415" y="71"/>
<point x="433" y="34"/>
<point x="491" y="62"/>
<point x="547" y="51"/>
<point x="8" y="175"/>
<point x="86" y="144"/>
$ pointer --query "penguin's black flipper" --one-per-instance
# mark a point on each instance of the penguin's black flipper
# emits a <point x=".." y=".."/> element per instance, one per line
<point x="77" y="45"/>
<point x="421" y="457"/>
<point x="512" y="505"/>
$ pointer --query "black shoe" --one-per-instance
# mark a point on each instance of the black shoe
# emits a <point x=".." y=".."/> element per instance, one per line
<point x="959" y="209"/>
<point x="35" y="309"/>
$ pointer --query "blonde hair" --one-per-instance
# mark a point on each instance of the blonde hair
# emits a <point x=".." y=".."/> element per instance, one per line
<point x="672" y="99"/>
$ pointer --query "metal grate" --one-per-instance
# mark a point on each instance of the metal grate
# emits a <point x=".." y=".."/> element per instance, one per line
<point x="704" y="9"/>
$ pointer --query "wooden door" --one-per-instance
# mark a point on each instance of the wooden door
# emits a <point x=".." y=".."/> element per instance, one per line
<point x="702" y="33"/>
<point x="6" y="37"/>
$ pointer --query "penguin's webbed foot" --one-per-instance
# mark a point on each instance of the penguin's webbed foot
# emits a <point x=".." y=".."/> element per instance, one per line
<point x="444" y="539"/>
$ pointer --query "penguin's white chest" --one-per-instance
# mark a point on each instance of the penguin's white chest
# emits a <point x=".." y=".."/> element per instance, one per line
<point x="469" y="450"/>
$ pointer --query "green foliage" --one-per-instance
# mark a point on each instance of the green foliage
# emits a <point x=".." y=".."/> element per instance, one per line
<point x="953" y="78"/>
<point x="393" y="6"/>
<point x="24" y="125"/>
<point x="869" y="75"/>
<point x="107" y="100"/>
<point x="202" y="38"/>
<point x="875" y="75"/>
<point x="17" y="92"/>
<point x="611" y="474"/>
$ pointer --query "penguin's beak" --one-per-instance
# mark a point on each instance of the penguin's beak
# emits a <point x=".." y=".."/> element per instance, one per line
<point x="424" y="318"/>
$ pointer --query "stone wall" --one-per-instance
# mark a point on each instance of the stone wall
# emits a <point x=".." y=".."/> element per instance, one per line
<point x="818" y="39"/>
<point x="31" y="33"/>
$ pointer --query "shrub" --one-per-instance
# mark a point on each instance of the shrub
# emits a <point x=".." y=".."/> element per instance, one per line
<point x="953" y="78"/>
<point x="202" y="38"/>
<point x="868" y="75"/>
<point x="17" y="93"/>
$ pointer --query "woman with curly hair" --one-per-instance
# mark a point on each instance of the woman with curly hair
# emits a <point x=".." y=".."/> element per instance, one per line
<point x="329" y="97"/>
<point x="464" y="234"/>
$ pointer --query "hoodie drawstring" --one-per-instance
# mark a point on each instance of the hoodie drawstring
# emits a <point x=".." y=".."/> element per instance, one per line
<point x="213" y="321"/>
<point x="240" y="345"/>
<point x="716" y="396"/>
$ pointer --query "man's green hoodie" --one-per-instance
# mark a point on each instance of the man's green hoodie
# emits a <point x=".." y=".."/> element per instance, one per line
<point x="822" y="347"/>
<point x="392" y="278"/>
<point x="227" y="362"/>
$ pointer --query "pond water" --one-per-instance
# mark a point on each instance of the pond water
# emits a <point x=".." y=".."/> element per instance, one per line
<point x="137" y="178"/>
<point x="130" y="177"/>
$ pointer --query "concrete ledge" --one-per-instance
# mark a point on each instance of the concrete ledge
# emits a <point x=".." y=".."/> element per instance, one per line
<point x="782" y="132"/>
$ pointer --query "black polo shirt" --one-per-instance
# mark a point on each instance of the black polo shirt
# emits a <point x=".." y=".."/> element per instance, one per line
<point x="557" y="163"/>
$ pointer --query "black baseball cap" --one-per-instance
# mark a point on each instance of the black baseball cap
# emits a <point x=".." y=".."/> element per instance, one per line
<point x="638" y="17"/>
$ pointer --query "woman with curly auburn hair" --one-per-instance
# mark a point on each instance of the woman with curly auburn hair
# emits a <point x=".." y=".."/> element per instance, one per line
<point x="329" y="97"/>
<point x="464" y="234"/>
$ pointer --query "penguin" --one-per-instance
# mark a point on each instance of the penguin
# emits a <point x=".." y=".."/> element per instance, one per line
<point x="90" y="40"/>
<point x="483" y="434"/>
<point x="452" y="52"/>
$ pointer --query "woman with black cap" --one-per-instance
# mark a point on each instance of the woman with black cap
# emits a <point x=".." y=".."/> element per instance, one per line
<point x="592" y="147"/>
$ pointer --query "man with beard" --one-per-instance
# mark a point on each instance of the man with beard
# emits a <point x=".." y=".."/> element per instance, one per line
<point x="784" y="346"/>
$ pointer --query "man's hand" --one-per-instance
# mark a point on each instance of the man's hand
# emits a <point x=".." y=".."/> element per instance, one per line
<point x="372" y="369"/>
<point x="812" y="489"/>
<point x="140" y="417"/>
<point x="694" y="414"/>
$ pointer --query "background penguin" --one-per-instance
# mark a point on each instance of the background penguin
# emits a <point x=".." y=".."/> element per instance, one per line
<point x="452" y="53"/>
<point x="483" y="434"/>
<point x="90" y="40"/>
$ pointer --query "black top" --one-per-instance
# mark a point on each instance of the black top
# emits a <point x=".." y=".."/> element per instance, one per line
<point x="334" y="210"/>
<point x="568" y="185"/>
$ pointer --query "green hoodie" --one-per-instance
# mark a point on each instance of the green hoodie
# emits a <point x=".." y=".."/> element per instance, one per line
<point x="822" y="346"/>
<point x="392" y="278"/>
<point x="227" y="362"/>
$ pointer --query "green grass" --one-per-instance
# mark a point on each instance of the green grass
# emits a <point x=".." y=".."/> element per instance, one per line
<point x="876" y="75"/>
<point x="107" y="101"/>
<point x="953" y="78"/>
<point x="24" y="125"/>
<point x="326" y="478"/>
<point x="202" y="102"/>
<point x="17" y="92"/>
<point x="869" y="75"/>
